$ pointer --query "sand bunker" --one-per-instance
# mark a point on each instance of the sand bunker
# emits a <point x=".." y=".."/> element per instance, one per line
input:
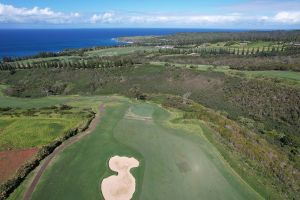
<point x="121" y="186"/>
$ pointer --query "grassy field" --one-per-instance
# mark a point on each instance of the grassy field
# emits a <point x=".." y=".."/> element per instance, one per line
<point x="30" y="103"/>
<point x="119" y="51"/>
<point x="26" y="103"/>
<point x="244" y="44"/>
<point x="171" y="157"/>
<point x="26" y="132"/>
<point x="289" y="76"/>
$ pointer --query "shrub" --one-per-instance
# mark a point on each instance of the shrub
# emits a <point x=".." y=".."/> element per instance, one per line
<point x="65" y="107"/>
<point x="5" y="109"/>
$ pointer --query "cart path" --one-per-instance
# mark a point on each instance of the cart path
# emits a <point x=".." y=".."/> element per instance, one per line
<point x="91" y="128"/>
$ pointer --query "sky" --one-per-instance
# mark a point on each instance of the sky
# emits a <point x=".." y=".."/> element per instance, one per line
<point x="223" y="14"/>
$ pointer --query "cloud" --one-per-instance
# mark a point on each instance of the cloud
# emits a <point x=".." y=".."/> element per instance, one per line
<point x="263" y="6"/>
<point x="113" y="18"/>
<point x="11" y="14"/>
<point x="108" y="17"/>
<point x="280" y="18"/>
<point x="287" y="17"/>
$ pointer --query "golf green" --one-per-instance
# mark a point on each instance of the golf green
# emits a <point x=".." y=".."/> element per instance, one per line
<point x="174" y="163"/>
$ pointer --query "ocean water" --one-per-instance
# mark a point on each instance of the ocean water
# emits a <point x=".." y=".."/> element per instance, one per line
<point x="26" y="42"/>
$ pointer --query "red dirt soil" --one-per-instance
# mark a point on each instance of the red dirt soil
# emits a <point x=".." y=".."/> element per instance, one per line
<point x="11" y="161"/>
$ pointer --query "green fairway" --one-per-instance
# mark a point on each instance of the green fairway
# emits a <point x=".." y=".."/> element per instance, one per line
<point x="174" y="163"/>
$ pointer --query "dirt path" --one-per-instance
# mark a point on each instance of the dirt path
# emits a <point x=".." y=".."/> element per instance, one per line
<point x="72" y="140"/>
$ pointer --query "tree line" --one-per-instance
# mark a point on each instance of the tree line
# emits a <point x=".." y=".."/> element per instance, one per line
<point x="80" y="63"/>
<point x="213" y="37"/>
<point x="264" y="51"/>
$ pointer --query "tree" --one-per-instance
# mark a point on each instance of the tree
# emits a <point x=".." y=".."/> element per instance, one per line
<point x="7" y="59"/>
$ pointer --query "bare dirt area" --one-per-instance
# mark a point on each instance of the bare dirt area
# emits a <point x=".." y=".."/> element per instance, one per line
<point x="121" y="186"/>
<point x="12" y="160"/>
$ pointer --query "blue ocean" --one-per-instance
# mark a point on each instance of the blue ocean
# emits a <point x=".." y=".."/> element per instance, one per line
<point x="26" y="42"/>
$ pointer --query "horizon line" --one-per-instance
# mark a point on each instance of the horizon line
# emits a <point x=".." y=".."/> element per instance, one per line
<point x="194" y="28"/>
